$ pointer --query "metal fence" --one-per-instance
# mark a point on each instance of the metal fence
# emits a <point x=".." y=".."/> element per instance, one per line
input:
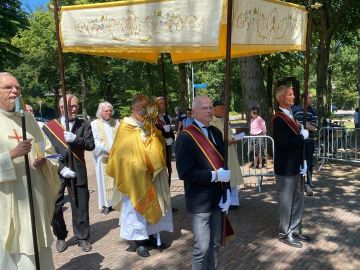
<point x="338" y="143"/>
<point x="256" y="157"/>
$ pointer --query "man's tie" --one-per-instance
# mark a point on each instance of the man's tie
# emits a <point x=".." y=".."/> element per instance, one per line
<point x="210" y="136"/>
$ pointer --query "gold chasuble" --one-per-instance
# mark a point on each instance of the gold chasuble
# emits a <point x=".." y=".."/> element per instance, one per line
<point x="136" y="157"/>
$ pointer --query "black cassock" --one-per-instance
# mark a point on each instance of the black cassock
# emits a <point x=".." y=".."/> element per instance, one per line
<point x="80" y="207"/>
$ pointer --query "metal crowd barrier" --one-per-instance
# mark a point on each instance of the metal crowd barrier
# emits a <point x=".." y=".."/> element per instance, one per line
<point x="338" y="143"/>
<point x="251" y="149"/>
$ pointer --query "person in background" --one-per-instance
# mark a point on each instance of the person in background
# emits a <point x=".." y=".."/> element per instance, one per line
<point x="189" y="119"/>
<point x="180" y="116"/>
<point x="356" y="118"/>
<point x="16" y="239"/>
<point x="289" y="165"/>
<point x="104" y="130"/>
<point x="311" y="125"/>
<point x="164" y="125"/>
<point x="233" y="160"/>
<point x="257" y="128"/>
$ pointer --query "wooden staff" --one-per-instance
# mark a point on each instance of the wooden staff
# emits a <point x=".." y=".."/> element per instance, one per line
<point x="62" y="80"/>
<point x="29" y="190"/>
<point x="227" y="107"/>
<point x="306" y="79"/>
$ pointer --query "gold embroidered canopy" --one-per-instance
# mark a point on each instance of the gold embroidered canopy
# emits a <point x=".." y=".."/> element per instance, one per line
<point x="190" y="30"/>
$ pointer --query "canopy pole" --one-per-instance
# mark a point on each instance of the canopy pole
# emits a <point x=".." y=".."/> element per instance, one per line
<point x="63" y="91"/>
<point x="164" y="80"/>
<point x="306" y="80"/>
<point x="227" y="106"/>
<point x="30" y="194"/>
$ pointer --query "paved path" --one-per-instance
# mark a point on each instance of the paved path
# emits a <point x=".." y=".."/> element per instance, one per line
<point x="332" y="218"/>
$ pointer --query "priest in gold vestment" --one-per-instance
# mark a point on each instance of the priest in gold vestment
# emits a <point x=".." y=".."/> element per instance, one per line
<point x="233" y="160"/>
<point x="137" y="164"/>
<point x="16" y="244"/>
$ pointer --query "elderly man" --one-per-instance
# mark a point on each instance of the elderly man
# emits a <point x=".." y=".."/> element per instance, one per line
<point x="137" y="164"/>
<point x="311" y="125"/>
<point x="78" y="139"/>
<point x="16" y="242"/>
<point x="234" y="165"/>
<point x="199" y="162"/>
<point x="288" y="166"/>
<point x="104" y="130"/>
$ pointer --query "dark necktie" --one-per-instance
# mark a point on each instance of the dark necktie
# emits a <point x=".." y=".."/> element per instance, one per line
<point x="210" y="137"/>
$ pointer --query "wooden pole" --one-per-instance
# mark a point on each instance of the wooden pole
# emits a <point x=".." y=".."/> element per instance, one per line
<point x="63" y="91"/>
<point x="227" y="105"/>
<point x="306" y="78"/>
<point x="30" y="195"/>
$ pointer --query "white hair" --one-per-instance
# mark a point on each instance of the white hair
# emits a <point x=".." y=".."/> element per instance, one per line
<point x="197" y="99"/>
<point x="281" y="90"/>
<point x="100" y="108"/>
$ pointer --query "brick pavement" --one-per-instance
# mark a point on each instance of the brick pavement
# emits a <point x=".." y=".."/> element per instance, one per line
<point x="332" y="218"/>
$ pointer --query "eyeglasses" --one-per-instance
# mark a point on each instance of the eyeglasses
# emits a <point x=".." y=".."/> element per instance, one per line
<point x="8" y="88"/>
<point x="206" y="108"/>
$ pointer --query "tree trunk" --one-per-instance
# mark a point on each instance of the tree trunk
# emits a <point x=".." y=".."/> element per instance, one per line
<point x="322" y="63"/>
<point x="84" y="89"/>
<point x="253" y="88"/>
<point x="269" y="87"/>
<point x="183" y="98"/>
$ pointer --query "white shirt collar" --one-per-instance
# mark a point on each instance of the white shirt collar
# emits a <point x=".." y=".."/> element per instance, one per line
<point x="287" y="112"/>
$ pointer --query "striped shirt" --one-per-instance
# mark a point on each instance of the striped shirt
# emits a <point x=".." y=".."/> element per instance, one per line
<point x="311" y="116"/>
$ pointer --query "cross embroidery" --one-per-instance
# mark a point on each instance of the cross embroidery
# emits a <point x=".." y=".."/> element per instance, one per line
<point x="17" y="137"/>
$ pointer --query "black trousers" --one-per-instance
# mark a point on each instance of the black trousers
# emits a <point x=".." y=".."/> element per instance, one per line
<point x="79" y="209"/>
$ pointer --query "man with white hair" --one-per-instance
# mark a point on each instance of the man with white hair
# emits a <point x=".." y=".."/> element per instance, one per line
<point x="16" y="242"/>
<point x="104" y="130"/>
<point x="288" y="166"/>
<point x="78" y="139"/>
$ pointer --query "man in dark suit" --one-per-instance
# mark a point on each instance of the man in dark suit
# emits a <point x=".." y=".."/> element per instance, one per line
<point x="288" y="167"/>
<point x="199" y="161"/>
<point x="79" y="138"/>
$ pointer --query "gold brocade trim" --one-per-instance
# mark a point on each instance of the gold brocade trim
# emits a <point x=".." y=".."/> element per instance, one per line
<point x="113" y="4"/>
<point x="147" y="200"/>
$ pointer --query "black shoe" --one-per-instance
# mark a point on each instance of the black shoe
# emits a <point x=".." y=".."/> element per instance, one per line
<point x="301" y="237"/>
<point x="234" y="207"/>
<point x="174" y="209"/>
<point x="85" y="245"/>
<point x="152" y="241"/>
<point x="61" y="245"/>
<point x="107" y="210"/>
<point x="289" y="240"/>
<point x="142" y="251"/>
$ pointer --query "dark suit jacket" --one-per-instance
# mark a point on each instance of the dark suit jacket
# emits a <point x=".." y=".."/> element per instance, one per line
<point x="84" y="142"/>
<point x="288" y="148"/>
<point x="201" y="195"/>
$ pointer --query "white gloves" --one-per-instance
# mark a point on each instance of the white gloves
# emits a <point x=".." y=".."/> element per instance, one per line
<point x="222" y="175"/>
<point x="167" y="128"/>
<point x="69" y="136"/>
<point x="238" y="137"/>
<point x="303" y="168"/>
<point x="169" y="141"/>
<point x="304" y="132"/>
<point x="67" y="173"/>
<point x="225" y="206"/>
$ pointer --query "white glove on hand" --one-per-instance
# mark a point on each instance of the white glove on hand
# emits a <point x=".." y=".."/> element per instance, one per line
<point x="223" y="175"/>
<point x="69" y="136"/>
<point x="169" y="141"/>
<point x="303" y="169"/>
<point x="67" y="173"/>
<point x="167" y="128"/>
<point x="304" y="132"/>
<point x="225" y="206"/>
<point x="238" y="137"/>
